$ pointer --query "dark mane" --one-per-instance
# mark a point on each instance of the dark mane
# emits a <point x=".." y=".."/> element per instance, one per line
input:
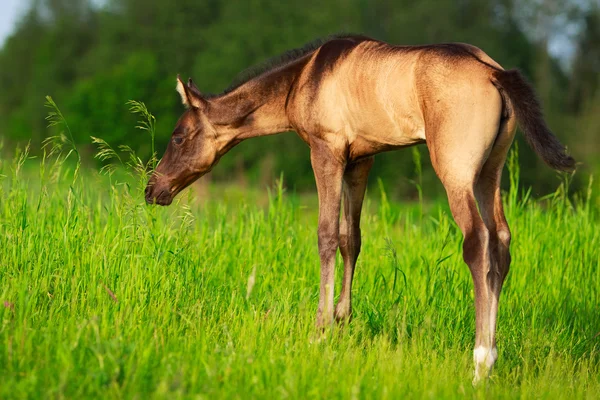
<point x="280" y="61"/>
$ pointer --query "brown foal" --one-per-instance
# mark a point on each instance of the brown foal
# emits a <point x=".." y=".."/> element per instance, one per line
<point x="351" y="97"/>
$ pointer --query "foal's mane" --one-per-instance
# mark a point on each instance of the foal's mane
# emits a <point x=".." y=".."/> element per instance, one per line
<point x="279" y="61"/>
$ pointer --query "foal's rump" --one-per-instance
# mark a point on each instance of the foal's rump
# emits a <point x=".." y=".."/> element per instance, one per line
<point x="462" y="111"/>
<point x="467" y="97"/>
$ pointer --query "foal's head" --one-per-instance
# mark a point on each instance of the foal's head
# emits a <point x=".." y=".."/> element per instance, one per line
<point x="191" y="152"/>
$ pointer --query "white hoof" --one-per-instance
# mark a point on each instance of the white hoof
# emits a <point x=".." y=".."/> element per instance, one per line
<point x="484" y="358"/>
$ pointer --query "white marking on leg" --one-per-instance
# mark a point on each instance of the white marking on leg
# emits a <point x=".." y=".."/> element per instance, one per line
<point x="485" y="355"/>
<point x="484" y="358"/>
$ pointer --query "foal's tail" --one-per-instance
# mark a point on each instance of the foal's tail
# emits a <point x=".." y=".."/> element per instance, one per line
<point x="529" y="114"/>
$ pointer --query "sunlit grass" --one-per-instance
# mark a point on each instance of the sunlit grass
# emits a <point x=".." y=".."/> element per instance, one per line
<point x="103" y="296"/>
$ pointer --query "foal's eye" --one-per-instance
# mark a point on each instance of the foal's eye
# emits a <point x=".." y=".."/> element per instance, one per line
<point x="177" y="140"/>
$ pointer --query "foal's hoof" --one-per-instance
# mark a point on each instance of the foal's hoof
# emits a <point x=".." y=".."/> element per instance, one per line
<point x="322" y="331"/>
<point x="343" y="313"/>
<point x="324" y="322"/>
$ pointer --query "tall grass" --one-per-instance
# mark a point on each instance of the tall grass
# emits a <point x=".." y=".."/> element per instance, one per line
<point x="215" y="296"/>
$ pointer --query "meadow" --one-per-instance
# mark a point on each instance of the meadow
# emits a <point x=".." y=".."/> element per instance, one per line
<point x="102" y="296"/>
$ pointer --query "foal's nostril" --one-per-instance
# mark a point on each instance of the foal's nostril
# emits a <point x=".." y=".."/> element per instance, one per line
<point x="148" y="195"/>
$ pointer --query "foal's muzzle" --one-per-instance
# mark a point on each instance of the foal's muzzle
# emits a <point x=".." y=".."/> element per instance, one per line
<point x="158" y="194"/>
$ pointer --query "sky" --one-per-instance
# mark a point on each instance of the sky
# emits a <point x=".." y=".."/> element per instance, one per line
<point x="10" y="10"/>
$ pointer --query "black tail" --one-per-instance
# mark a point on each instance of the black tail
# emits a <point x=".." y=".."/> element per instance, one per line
<point x="529" y="114"/>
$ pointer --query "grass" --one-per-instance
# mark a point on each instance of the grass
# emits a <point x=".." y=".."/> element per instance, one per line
<point x="102" y="296"/>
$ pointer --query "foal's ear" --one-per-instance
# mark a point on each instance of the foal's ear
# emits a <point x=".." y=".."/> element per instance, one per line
<point x="192" y="86"/>
<point x="190" y="95"/>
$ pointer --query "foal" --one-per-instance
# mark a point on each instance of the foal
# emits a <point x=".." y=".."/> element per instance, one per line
<point x="351" y="97"/>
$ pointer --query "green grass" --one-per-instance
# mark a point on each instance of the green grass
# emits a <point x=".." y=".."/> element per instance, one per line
<point x="102" y="296"/>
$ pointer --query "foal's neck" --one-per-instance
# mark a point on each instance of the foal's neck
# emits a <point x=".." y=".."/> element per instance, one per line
<point x="257" y="107"/>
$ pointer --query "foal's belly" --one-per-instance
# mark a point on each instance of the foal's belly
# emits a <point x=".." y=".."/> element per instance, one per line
<point x="380" y="133"/>
<point x="364" y="145"/>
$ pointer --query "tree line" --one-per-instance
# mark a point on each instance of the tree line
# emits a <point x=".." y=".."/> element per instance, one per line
<point x="92" y="57"/>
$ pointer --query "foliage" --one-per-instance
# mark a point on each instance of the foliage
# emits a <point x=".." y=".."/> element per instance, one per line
<point x="94" y="56"/>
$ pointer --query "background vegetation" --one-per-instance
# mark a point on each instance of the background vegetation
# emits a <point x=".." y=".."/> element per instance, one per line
<point x="102" y="296"/>
<point x="93" y="56"/>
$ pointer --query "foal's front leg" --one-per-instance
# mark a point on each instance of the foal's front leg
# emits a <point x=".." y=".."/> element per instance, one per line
<point x="328" y="171"/>
<point x="355" y="184"/>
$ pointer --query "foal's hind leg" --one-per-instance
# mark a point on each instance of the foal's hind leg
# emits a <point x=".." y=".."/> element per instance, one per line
<point x="355" y="184"/>
<point x="462" y="128"/>
<point x="477" y="255"/>
<point x="490" y="205"/>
